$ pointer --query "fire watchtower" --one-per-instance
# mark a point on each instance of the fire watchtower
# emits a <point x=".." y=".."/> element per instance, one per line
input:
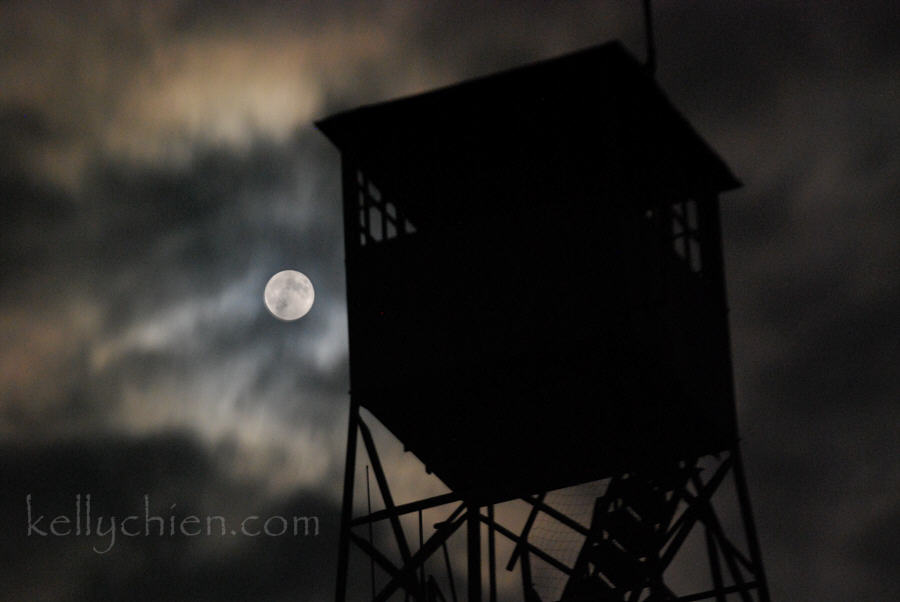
<point x="536" y="299"/>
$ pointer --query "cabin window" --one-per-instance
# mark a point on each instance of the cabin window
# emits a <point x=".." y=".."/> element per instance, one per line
<point x="685" y="233"/>
<point x="379" y="218"/>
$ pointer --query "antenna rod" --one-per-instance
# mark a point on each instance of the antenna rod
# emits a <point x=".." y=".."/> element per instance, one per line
<point x="651" y="46"/>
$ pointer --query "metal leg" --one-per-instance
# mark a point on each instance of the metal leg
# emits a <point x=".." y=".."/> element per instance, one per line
<point x="473" y="541"/>
<point x="492" y="556"/>
<point x="347" y="504"/>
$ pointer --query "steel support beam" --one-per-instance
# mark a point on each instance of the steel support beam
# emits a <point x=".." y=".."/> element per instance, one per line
<point x="538" y="500"/>
<point x="385" y="491"/>
<point x="347" y="504"/>
<point x="473" y="544"/>
<point x="401" y="509"/>
<point x="410" y="568"/>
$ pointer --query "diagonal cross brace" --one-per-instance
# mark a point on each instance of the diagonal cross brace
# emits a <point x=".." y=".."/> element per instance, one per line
<point x="692" y="514"/>
<point x="419" y="557"/>
<point x="385" y="491"/>
<point x="409" y="582"/>
<point x="537" y="502"/>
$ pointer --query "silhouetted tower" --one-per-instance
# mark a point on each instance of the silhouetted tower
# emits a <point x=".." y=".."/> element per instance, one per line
<point x="536" y="299"/>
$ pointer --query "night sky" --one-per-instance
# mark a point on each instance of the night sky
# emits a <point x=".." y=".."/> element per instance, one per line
<point x="159" y="164"/>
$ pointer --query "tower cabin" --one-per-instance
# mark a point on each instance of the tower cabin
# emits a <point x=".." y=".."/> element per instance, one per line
<point x="534" y="276"/>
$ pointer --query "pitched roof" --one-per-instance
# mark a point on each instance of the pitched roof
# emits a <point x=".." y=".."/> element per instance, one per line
<point x="594" y="111"/>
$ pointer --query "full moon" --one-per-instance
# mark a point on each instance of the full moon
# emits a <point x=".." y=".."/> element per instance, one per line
<point x="289" y="295"/>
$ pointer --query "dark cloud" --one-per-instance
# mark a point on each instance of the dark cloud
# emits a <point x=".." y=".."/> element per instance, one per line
<point x="168" y="469"/>
<point x="174" y="261"/>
